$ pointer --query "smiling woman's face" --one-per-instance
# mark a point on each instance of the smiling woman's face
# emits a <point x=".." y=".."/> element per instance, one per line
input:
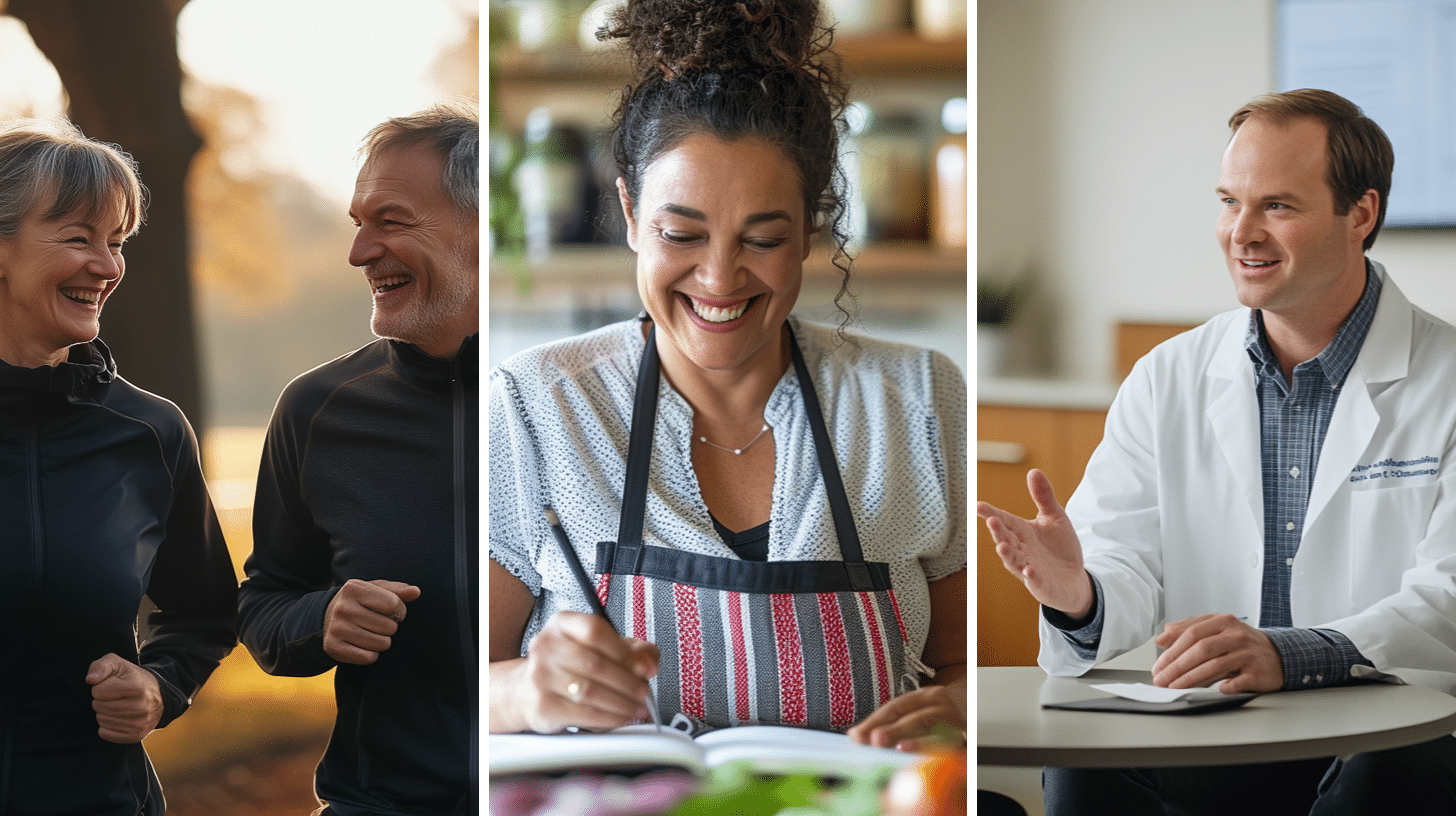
<point x="721" y="237"/>
<point x="55" y="275"/>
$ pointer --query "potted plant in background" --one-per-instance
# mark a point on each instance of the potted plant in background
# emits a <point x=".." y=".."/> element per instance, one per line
<point x="997" y="302"/>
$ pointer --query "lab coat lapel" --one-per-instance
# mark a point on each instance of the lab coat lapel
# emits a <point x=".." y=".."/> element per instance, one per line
<point x="1384" y="356"/>
<point x="1233" y="414"/>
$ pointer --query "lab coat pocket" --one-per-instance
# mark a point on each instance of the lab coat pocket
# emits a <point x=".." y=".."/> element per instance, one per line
<point x="1386" y="524"/>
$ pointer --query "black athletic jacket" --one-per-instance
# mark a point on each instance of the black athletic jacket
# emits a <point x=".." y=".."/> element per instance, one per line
<point x="370" y="472"/>
<point x="101" y="500"/>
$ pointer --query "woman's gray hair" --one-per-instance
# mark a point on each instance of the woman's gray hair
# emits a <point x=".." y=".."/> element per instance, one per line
<point x="49" y="166"/>
<point x="452" y="129"/>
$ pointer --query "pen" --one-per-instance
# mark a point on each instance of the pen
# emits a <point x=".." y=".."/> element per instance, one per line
<point x="584" y="582"/>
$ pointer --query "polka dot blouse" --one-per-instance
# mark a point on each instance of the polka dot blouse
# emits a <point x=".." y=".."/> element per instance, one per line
<point x="560" y="415"/>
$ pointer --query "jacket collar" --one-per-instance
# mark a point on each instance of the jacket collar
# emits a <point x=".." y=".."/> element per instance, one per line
<point x="82" y="378"/>
<point x="432" y="373"/>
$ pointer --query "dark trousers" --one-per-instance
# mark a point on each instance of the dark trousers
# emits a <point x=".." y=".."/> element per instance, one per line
<point x="1416" y="779"/>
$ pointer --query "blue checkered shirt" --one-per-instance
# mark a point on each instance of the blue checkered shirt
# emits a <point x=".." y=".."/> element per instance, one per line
<point x="1293" y="419"/>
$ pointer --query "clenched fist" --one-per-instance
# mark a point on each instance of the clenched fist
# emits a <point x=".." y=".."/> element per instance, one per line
<point x="127" y="699"/>
<point x="363" y="617"/>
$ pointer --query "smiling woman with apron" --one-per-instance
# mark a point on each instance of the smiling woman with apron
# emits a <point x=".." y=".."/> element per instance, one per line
<point x="820" y="616"/>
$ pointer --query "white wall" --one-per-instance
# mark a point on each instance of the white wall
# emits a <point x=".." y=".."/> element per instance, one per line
<point x="1100" y="128"/>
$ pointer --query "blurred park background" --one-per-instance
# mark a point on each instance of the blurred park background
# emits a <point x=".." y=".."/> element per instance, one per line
<point x="245" y="117"/>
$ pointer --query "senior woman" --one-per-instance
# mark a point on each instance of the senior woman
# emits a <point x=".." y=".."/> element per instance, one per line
<point x="103" y="500"/>
<point x="774" y="514"/>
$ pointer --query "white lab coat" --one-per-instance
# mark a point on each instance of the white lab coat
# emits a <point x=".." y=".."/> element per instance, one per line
<point x="1170" y="511"/>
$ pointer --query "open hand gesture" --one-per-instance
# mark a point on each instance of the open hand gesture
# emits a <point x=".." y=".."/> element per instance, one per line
<point x="1043" y="552"/>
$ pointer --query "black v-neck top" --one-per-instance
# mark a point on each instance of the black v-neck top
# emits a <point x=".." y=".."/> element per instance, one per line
<point x="750" y="544"/>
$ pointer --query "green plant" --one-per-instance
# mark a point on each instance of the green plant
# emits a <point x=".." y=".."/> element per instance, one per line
<point x="997" y="301"/>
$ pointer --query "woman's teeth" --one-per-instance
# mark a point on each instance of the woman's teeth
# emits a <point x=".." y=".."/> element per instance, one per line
<point x="82" y="296"/>
<point x="715" y="314"/>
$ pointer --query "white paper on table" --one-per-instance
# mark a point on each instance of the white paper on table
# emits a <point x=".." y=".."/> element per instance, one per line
<point x="1156" y="694"/>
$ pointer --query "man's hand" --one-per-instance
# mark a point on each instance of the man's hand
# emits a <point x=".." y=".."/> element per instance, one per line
<point x="1209" y="648"/>
<point x="362" y="618"/>
<point x="1043" y="552"/>
<point x="127" y="699"/>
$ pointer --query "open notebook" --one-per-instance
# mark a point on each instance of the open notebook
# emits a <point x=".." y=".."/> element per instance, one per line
<point x="770" y="749"/>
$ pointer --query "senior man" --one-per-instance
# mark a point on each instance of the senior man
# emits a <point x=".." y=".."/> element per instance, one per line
<point x="365" y="523"/>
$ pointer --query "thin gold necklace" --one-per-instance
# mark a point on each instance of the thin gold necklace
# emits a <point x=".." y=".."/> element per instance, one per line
<point x="736" y="451"/>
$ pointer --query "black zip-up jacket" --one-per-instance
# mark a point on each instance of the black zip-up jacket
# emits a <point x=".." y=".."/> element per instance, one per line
<point x="101" y="500"/>
<point x="370" y="472"/>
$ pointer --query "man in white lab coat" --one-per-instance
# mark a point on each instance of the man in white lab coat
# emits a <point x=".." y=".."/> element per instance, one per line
<point x="1274" y="497"/>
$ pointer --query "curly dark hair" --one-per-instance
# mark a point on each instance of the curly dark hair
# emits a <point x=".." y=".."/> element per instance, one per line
<point x="734" y="70"/>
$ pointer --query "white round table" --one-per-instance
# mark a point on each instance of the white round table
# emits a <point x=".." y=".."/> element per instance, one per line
<point x="1013" y="729"/>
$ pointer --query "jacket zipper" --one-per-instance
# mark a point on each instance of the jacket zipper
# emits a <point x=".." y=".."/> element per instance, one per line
<point x="462" y="563"/>
<point x="37" y="552"/>
<point x="37" y="564"/>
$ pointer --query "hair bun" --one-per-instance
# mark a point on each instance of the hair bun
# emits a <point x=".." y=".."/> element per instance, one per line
<point x="675" y="37"/>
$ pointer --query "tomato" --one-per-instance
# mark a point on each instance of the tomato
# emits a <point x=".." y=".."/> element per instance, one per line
<point x="935" y="786"/>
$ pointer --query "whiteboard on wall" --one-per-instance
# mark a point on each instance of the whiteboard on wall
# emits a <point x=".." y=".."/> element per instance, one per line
<point x="1396" y="59"/>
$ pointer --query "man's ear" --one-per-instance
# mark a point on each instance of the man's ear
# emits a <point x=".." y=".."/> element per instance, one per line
<point x="627" y="213"/>
<point x="1365" y="210"/>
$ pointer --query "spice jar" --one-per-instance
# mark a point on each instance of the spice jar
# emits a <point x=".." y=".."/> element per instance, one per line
<point x="949" y="209"/>
<point x="892" y="177"/>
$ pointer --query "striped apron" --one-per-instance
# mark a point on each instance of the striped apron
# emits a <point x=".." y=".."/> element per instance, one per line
<point x="811" y="643"/>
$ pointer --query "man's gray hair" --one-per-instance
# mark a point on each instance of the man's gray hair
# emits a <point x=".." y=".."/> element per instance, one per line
<point x="452" y="129"/>
<point x="50" y="163"/>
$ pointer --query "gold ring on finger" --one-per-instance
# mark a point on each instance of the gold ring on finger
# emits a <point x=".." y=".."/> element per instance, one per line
<point x="575" y="691"/>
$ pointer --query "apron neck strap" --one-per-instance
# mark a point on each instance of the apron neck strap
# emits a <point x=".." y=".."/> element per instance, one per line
<point x="849" y="549"/>
<point x="639" y="454"/>
<point x="639" y="459"/>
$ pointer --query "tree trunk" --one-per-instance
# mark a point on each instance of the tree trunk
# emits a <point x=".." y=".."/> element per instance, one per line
<point x="118" y="62"/>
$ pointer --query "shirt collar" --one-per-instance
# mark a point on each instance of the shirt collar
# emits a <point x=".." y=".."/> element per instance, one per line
<point x="1337" y="358"/>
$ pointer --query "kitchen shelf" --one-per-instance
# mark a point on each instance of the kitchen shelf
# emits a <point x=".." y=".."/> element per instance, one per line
<point x="605" y="266"/>
<point x="891" y="55"/>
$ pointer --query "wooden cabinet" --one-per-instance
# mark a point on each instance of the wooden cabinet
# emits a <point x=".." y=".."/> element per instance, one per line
<point x="1013" y="439"/>
<point x="1025" y="425"/>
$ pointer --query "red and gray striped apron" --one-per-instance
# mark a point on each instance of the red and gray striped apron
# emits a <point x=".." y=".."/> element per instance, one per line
<point x="812" y="643"/>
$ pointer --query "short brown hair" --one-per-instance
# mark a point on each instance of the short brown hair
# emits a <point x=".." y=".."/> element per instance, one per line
<point x="1360" y="156"/>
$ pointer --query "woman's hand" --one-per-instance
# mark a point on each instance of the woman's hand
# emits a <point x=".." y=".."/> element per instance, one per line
<point x="916" y="719"/>
<point x="127" y="699"/>
<point x="579" y="672"/>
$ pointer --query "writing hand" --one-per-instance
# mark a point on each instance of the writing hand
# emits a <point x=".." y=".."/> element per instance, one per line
<point x="126" y="697"/>
<point x="579" y="671"/>
<point x="1043" y="552"/>
<point x="1209" y="648"/>
<point x="363" y="617"/>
